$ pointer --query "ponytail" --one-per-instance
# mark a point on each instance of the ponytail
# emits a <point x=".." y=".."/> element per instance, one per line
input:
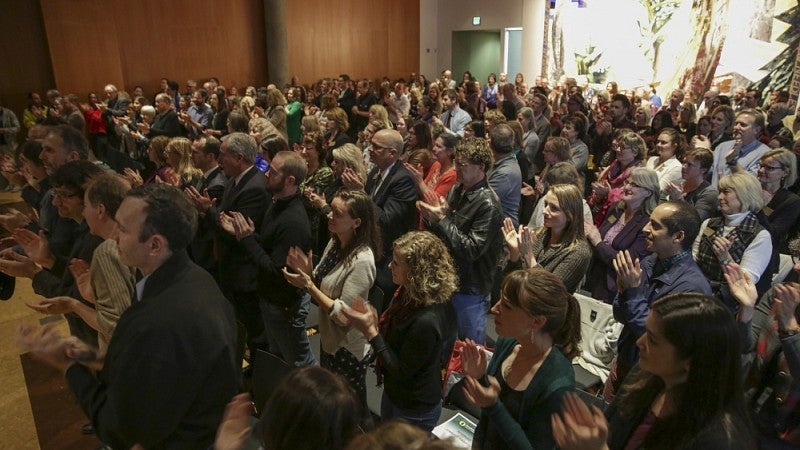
<point x="568" y="336"/>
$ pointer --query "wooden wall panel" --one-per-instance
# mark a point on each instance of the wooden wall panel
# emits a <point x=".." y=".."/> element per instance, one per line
<point x="362" y="38"/>
<point x="146" y="41"/>
<point x="24" y="54"/>
<point x="84" y="46"/>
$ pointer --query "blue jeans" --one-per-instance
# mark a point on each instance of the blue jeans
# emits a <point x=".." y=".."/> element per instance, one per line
<point x="288" y="337"/>
<point x="471" y="316"/>
<point x="425" y="420"/>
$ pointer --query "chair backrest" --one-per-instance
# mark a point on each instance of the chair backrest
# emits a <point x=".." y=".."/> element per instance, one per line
<point x="268" y="371"/>
<point x="599" y="334"/>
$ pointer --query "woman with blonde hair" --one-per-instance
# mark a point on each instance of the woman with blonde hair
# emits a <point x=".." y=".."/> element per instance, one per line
<point x="336" y="128"/>
<point x="276" y="109"/>
<point x="737" y="237"/>
<point x="379" y="113"/>
<point x="415" y="334"/>
<point x="179" y="157"/>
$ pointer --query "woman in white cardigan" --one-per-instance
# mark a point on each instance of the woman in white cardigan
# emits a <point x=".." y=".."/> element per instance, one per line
<point x="345" y="272"/>
<point x="670" y="146"/>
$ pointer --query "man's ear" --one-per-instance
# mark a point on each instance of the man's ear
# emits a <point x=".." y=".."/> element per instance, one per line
<point x="679" y="236"/>
<point x="158" y="244"/>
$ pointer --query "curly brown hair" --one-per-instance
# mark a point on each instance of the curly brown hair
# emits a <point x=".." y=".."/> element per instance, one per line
<point x="431" y="273"/>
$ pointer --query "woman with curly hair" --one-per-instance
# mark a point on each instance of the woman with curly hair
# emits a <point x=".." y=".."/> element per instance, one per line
<point x="415" y="334"/>
<point x="539" y="326"/>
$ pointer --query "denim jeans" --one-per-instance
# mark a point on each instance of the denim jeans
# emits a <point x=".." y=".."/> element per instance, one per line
<point x="288" y="337"/>
<point x="425" y="420"/>
<point x="471" y="316"/>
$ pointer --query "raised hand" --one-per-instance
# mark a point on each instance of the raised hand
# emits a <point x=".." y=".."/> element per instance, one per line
<point x="629" y="272"/>
<point x="787" y="297"/>
<point x="202" y="202"/>
<point x="742" y="288"/>
<point x="53" y="306"/>
<point x="363" y="317"/>
<point x="235" y="427"/>
<point x="480" y="395"/>
<point x="351" y="180"/>
<point x="580" y="428"/>
<point x="473" y="359"/>
<point x="512" y="239"/>
<point x="80" y="271"/>
<point x="299" y="261"/>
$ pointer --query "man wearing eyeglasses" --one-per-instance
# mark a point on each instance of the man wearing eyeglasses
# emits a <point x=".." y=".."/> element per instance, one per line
<point x="744" y="152"/>
<point x="394" y="193"/>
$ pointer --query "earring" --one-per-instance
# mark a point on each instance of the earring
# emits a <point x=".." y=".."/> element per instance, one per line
<point x="533" y="338"/>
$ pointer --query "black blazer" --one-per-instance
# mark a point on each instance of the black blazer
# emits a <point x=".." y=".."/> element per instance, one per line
<point x="249" y="197"/>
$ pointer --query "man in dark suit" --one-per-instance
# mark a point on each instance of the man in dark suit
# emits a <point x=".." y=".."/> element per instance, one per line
<point x="170" y="368"/>
<point x="166" y="122"/>
<point x="394" y="193"/>
<point x="205" y="154"/>
<point x="245" y="192"/>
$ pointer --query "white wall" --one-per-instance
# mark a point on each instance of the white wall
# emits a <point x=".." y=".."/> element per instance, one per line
<point x="438" y="19"/>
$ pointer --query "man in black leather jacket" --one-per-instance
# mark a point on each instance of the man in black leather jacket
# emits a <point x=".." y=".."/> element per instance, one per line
<point x="469" y="222"/>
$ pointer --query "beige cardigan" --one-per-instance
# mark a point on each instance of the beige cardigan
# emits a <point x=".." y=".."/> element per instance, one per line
<point x="343" y="284"/>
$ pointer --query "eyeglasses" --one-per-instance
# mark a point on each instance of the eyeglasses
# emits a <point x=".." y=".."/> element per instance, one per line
<point x="632" y="184"/>
<point x="63" y="194"/>
<point x="769" y="168"/>
<point x="377" y="147"/>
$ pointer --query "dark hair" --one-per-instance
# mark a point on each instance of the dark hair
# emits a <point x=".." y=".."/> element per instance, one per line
<point x="626" y="102"/>
<point x="293" y="166"/>
<point x="679" y="139"/>
<point x="540" y="293"/>
<point x="107" y="190"/>
<point x="665" y="119"/>
<point x="168" y="213"/>
<point x="211" y="145"/>
<point x="508" y="109"/>
<point x="30" y="150"/>
<point x="424" y="135"/>
<point x="173" y="85"/>
<point x="684" y="217"/>
<point x="312" y="408"/>
<point x="359" y="206"/>
<point x="703" y="331"/>
<point x="450" y="140"/>
<point x="72" y="140"/>
<point x="75" y="175"/>
<point x="478" y="128"/>
<point x="317" y="140"/>
<point x="238" y="122"/>
<point x="273" y="145"/>
<point x="502" y="138"/>
<point x="578" y="121"/>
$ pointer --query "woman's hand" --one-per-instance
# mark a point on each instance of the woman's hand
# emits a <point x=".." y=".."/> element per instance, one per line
<point x="299" y="261"/>
<point x="351" y="180"/>
<point x="299" y="280"/>
<point x="674" y="191"/>
<point x="592" y="233"/>
<point x="721" y="246"/>
<point x="526" y="246"/>
<point x="316" y="200"/>
<point x="480" y="395"/>
<point x="787" y="297"/>
<point x="580" y="428"/>
<point x="416" y="174"/>
<point x="235" y="426"/>
<point x="363" y="317"/>
<point x="743" y="290"/>
<point x="473" y="359"/>
<point x="601" y="188"/>
<point x="512" y="239"/>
